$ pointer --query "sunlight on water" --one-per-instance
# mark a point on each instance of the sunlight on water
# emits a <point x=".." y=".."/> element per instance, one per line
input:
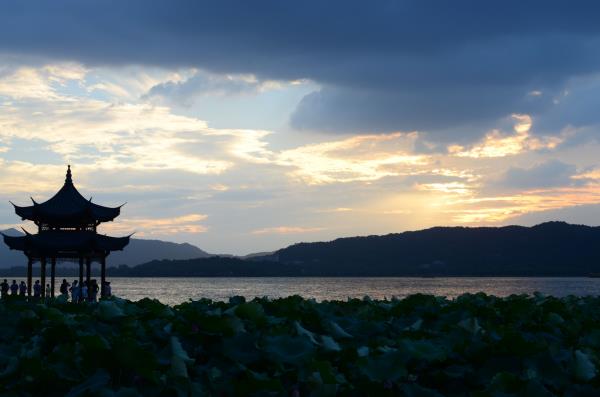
<point x="176" y="290"/>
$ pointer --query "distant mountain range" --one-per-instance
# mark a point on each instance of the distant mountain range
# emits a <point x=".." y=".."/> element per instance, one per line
<point x="137" y="252"/>
<point x="548" y="249"/>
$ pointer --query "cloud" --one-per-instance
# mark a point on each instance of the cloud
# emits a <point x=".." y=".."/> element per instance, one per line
<point x="107" y="134"/>
<point x="573" y="107"/>
<point x="202" y="83"/>
<point x="148" y="227"/>
<point x="383" y="67"/>
<point x="286" y="230"/>
<point x="460" y="188"/>
<point x="26" y="83"/>
<point x="550" y="173"/>
<point x="588" y="175"/>
<point x="578" y="214"/>
<point x="183" y="177"/>
<point x="458" y="112"/>
<point x="359" y="158"/>
<point x="26" y="178"/>
<point x="115" y="135"/>
<point x="497" y="209"/>
<point x="497" y="144"/>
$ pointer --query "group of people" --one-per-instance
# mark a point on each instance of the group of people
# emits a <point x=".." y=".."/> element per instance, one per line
<point x="84" y="292"/>
<point x="14" y="288"/>
<point x="79" y="293"/>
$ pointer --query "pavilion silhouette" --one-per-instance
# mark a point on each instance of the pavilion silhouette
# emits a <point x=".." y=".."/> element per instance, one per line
<point x="67" y="229"/>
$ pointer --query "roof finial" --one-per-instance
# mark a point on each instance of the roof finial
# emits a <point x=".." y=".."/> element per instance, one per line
<point x="68" y="179"/>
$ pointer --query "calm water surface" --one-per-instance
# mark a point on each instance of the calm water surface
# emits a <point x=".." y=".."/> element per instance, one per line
<point x="176" y="290"/>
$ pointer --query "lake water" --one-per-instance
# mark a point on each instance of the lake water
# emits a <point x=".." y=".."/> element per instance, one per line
<point x="177" y="290"/>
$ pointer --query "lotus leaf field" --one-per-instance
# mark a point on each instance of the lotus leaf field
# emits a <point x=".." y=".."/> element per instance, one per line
<point x="474" y="345"/>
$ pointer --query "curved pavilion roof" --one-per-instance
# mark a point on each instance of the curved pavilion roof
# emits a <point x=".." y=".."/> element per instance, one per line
<point x="67" y="206"/>
<point x="64" y="242"/>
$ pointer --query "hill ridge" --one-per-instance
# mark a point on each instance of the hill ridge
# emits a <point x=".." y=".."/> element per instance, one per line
<point x="138" y="251"/>
<point x="547" y="249"/>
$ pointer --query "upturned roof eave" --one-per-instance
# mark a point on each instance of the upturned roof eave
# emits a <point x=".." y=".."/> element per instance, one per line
<point x="40" y="214"/>
<point x="79" y="242"/>
<point x="67" y="205"/>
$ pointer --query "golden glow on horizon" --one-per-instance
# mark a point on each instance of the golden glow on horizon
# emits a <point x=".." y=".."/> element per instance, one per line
<point x="499" y="209"/>
<point x="360" y="158"/>
<point x="449" y="187"/>
<point x="496" y="144"/>
<point x="145" y="227"/>
<point x="593" y="174"/>
<point x="286" y="230"/>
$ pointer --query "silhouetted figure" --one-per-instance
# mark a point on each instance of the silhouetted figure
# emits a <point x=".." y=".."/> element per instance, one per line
<point x="64" y="288"/>
<point x="4" y="288"/>
<point x="94" y="291"/>
<point x="107" y="289"/>
<point x="22" y="288"/>
<point x="48" y="291"/>
<point x="37" y="289"/>
<point x="84" y="291"/>
<point x="74" y="292"/>
<point x="14" y="288"/>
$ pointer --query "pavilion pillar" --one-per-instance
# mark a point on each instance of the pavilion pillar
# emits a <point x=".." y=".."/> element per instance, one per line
<point x="103" y="277"/>
<point x="88" y="270"/>
<point x="43" y="276"/>
<point x="80" y="276"/>
<point x="52" y="275"/>
<point x="29" y="275"/>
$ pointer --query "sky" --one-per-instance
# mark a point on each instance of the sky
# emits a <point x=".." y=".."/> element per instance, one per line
<point x="244" y="126"/>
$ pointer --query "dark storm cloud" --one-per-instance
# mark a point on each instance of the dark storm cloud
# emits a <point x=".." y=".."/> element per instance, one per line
<point x="384" y="65"/>
<point x="438" y="109"/>
<point x="578" y="104"/>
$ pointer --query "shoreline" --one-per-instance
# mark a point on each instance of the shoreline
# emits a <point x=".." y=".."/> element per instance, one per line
<point x="74" y="273"/>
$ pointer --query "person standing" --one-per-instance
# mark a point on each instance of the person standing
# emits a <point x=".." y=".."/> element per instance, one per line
<point x="14" y="288"/>
<point x="64" y="288"/>
<point x="107" y="289"/>
<point x="22" y="288"/>
<point x="4" y="288"/>
<point x="93" y="291"/>
<point x="37" y="289"/>
<point x="84" y="291"/>
<point x="75" y="292"/>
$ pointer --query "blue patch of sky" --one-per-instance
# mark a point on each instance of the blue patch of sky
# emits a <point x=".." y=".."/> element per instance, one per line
<point x="76" y="88"/>
<point x="268" y="110"/>
<point x="35" y="151"/>
<point x="7" y="212"/>
<point x="72" y="88"/>
<point x="86" y="154"/>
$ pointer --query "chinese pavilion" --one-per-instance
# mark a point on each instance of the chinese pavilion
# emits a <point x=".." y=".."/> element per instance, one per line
<point x="67" y="229"/>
